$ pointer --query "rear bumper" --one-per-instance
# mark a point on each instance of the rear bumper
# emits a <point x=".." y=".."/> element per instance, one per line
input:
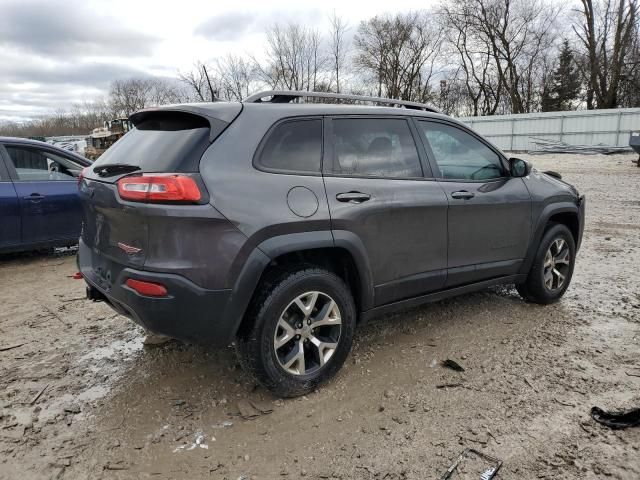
<point x="189" y="313"/>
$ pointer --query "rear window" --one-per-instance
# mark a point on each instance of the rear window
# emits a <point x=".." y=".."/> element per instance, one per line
<point x="293" y="146"/>
<point x="161" y="143"/>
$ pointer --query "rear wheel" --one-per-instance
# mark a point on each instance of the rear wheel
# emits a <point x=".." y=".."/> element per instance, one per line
<point x="552" y="268"/>
<point x="301" y="331"/>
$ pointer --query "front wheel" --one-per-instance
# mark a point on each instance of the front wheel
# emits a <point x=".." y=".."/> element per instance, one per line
<point x="552" y="268"/>
<point x="300" y="332"/>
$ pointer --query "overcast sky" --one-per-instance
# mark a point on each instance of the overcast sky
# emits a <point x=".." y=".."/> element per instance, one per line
<point x="56" y="53"/>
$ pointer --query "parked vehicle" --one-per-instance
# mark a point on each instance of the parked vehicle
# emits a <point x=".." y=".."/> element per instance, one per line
<point x="39" y="204"/>
<point x="280" y="225"/>
<point x="101" y="138"/>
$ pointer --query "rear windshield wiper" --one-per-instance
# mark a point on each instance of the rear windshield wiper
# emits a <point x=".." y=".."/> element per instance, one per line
<point x="114" y="169"/>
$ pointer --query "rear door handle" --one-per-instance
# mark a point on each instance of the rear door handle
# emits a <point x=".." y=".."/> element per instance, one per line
<point x="34" y="197"/>
<point x="353" y="197"/>
<point x="463" y="194"/>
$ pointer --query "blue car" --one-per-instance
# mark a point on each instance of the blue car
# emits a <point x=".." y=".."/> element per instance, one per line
<point x="39" y="204"/>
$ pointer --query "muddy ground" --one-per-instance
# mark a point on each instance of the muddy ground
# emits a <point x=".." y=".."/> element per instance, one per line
<point x="80" y="398"/>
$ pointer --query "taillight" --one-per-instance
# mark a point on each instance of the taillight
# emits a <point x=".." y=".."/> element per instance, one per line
<point x="149" y="289"/>
<point x="169" y="187"/>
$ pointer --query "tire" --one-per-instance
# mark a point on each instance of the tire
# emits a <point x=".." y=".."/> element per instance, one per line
<point x="275" y="318"/>
<point x="543" y="285"/>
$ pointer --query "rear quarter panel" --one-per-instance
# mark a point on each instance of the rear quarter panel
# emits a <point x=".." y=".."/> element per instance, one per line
<point x="256" y="201"/>
<point x="194" y="241"/>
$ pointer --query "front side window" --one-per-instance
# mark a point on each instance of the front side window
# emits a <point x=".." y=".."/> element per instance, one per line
<point x="35" y="165"/>
<point x="293" y="146"/>
<point x="381" y="147"/>
<point x="460" y="155"/>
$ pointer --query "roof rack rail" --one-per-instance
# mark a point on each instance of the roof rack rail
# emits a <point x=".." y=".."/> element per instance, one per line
<point x="286" y="96"/>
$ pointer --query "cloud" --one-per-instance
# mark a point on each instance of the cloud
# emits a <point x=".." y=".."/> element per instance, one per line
<point x="94" y="74"/>
<point x="55" y="54"/>
<point x="234" y="25"/>
<point x="20" y="105"/>
<point x="31" y="85"/>
<point x="226" y="27"/>
<point x="68" y="29"/>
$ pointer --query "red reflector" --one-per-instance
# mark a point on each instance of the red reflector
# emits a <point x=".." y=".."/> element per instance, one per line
<point x="149" y="289"/>
<point x="77" y="276"/>
<point x="169" y="187"/>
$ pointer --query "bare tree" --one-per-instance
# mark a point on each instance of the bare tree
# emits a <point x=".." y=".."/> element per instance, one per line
<point x="129" y="95"/>
<point x="471" y="57"/>
<point x="453" y="98"/>
<point x="166" y="92"/>
<point x="629" y="95"/>
<point x="400" y="54"/>
<point x="84" y="117"/>
<point x="236" y="76"/>
<point x="294" y="58"/>
<point x="505" y="38"/>
<point x="202" y="85"/>
<point x="80" y="119"/>
<point x="607" y="30"/>
<point x="338" y="46"/>
<point x="483" y="88"/>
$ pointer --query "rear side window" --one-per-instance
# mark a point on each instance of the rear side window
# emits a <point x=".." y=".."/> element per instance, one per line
<point x="381" y="147"/>
<point x="293" y="146"/>
<point x="35" y="165"/>
<point x="161" y="143"/>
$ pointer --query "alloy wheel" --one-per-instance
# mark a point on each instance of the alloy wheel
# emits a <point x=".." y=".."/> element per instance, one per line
<point x="307" y="333"/>
<point x="557" y="262"/>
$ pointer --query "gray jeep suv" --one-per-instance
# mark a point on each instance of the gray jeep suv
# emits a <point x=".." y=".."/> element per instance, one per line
<point x="279" y="224"/>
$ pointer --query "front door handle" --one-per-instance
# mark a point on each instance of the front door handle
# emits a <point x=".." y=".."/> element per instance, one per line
<point x="463" y="194"/>
<point x="353" y="197"/>
<point x="34" y="197"/>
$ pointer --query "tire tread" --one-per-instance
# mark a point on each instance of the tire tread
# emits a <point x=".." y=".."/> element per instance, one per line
<point x="248" y="343"/>
<point x="533" y="289"/>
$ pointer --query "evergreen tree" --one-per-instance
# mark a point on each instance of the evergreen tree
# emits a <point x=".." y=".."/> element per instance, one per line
<point x="564" y="86"/>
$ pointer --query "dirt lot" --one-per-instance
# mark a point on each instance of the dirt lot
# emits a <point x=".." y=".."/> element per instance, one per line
<point x="81" y="398"/>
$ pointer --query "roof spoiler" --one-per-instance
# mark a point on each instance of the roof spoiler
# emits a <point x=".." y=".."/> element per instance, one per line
<point x="218" y="116"/>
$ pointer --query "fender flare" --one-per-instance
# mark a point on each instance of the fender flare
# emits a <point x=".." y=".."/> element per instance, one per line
<point x="260" y="257"/>
<point x="296" y="242"/>
<point x="352" y="244"/>
<point x="539" y="228"/>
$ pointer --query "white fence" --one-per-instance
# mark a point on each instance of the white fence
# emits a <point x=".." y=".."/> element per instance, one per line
<point x="585" y="127"/>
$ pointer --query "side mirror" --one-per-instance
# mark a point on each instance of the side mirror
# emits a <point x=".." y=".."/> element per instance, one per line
<point x="519" y="168"/>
